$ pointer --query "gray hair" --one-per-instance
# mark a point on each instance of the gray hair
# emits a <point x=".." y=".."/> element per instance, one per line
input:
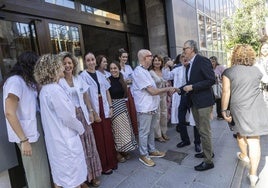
<point x="142" y="53"/>
<point x="192" y="44"/>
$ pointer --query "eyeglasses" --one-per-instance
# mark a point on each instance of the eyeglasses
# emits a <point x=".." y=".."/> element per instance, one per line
<point x="185" y="48"/>
<point x="149" y="55"/>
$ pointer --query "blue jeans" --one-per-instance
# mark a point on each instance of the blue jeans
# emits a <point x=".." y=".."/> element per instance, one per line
<point x="146" y="132"/>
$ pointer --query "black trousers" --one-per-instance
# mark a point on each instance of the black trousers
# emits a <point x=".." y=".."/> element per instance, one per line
<point x="183" y="108"/>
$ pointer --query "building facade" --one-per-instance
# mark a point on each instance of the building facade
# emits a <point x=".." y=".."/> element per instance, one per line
<point x="102" y="27"/>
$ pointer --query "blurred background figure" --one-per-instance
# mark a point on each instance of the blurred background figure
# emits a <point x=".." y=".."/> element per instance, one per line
<point x="262" y="63"/>
<point x="218" y="70"/>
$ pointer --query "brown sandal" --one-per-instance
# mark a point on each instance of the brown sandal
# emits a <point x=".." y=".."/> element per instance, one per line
<point x="160" y="139"/>
<point x="95" y="182"/>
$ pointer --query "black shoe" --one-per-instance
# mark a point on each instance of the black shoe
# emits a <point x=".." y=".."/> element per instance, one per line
<point x="197" y="148"/>
<point x="201" y="155"/>
<point x="235" y="136"/>
<point x="204" y="166"/>
<point x="178" y="128"/>
<point x="108" y="172"/>
<point x="182" y="144"/>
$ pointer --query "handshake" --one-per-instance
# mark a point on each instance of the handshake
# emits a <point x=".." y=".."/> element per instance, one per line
<point x="186" y="89"/>
<point x="172" y="90"/>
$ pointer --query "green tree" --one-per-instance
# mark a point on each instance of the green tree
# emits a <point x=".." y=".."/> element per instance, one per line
<point x="246" y="25"/>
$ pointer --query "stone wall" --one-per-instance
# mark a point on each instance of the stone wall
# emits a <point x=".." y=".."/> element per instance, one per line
<point x="156" y="24"/>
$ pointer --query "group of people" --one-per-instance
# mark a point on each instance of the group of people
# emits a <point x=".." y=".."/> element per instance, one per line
<point x="86" y="128"/>
<point x="90" y="120"/>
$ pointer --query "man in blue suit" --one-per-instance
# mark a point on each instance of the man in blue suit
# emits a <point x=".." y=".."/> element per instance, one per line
<point x="199" y="80"/>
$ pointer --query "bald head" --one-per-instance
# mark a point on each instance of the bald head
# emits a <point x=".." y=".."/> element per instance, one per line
<point x="145" y="58"/>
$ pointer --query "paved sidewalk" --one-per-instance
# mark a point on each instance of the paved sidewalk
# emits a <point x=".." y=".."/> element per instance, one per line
<point x="228" y="171"/>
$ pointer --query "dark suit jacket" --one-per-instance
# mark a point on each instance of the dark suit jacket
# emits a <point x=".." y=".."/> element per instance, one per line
<point x="202" y="77"/>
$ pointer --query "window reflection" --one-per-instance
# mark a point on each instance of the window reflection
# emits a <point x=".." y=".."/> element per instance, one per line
<point x="95" y="11"/>
<point x="106" y="8"/>
<point x="15" y="38"/>
<point x="208" y="33"/>
<point x="202" y="34"/>
<point x="64" y="3"/>
<point x="63" y="37"/>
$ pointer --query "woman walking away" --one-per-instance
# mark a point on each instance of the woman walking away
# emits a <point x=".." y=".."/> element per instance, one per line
<point x="241" y="88"/>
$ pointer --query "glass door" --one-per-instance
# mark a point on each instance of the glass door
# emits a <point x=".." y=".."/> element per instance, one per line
<point x="66" y="37"/>
<point x="15" y="38"/>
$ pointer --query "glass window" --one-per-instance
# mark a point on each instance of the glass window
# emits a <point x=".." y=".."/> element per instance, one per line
<point x="191" y="2"/>
<point x="214" y="36"/>
<point x="209" y="33"/>
<point x="106" y="8"/>
<point x="200" y="5"/>
<point x="15" y="38"/>
<point x="213" y="9"/>
<point x="217" y="4"/>
<point x="103" y="41"/>
<point x="99" y="12"/>
<point x="207" y="7"/>
<point x="66" y="38"/>
<point x="64" y="3"/>
<point x="133" y="12"/>
<point x="219" y="38"/>
<point x="201" y="28"/>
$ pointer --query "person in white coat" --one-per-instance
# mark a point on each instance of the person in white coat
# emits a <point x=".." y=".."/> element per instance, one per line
<point x="103" y="110"/>
<point x="76" y="88"/>
<point x="61" y="127"/>
<point x="127" y="72"/>
<point x="23" y="126"/>
<point x="181" y="112"/>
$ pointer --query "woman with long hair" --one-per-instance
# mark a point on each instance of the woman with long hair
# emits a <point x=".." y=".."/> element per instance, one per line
<point x="121" y="123"/>
<point x="23" y="121"/>
<point x="76" y="88"/>
<point x="103" y="110"/>
<point x="127" y="72"/>
<point x="101" y="61"/>
<point x="161" y="125"/>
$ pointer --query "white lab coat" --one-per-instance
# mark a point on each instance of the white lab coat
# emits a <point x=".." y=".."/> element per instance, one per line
<point x="62" y="130"/>
<point x="80" y="87"/>
<point x="93" y="91"/>
<point x="179" y="79"/>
